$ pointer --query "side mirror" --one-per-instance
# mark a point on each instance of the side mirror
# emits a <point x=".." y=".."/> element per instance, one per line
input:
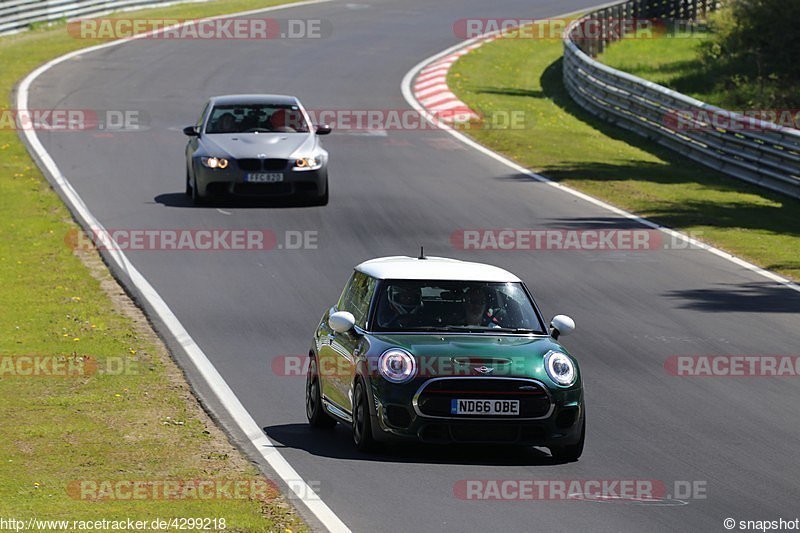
<point x="561" y="325"/>
<point x="341" y="321"/>
<point x="191" y="131"/>
<point x="323" y="129"/>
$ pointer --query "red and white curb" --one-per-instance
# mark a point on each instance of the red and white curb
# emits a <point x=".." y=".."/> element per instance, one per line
<point x="431" y="90"/>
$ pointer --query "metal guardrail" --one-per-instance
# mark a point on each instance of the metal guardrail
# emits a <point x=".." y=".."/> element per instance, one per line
<point x="753" y="150"/>
<point x="17" y="15"/>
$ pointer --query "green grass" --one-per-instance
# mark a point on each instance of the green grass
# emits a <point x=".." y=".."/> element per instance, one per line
<point x="568" y="145"/>
<point x="141" y="425"/>
<point x="675" y="62"/>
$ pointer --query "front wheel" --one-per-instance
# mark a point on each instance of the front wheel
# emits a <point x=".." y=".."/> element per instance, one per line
<point x="197" y="198"/>
<point x="324" y="198"/>
<point x="315" y="413"/>
<point x="572" y="452"/>
<point x="362" y="424"/>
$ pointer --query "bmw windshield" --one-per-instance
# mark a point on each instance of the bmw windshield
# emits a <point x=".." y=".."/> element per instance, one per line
<point x="455" y="306"/>
<point x="261" y="118"/>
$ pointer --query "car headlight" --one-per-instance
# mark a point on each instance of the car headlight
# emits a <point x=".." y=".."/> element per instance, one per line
<point x="397" y="366"/>
<point x="560" y="368"/>
<point x="214" y="162"/>
<point x="307" y="163"/>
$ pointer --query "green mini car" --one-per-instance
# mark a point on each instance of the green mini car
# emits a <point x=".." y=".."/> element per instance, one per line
<point x="444" y="351"/>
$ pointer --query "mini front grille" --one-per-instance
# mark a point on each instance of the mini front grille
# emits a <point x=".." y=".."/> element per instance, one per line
<point x="473" y="433"/>
<point x="496" y="433"/>
<point x="435" y="397"/>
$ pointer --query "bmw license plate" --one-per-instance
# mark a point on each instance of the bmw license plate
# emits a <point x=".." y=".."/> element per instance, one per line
<point x="264" y="177"/>
<point x="485" y="407"/>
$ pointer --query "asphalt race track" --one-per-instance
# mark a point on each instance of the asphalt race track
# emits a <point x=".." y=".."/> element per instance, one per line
<point x="389" y="195"/>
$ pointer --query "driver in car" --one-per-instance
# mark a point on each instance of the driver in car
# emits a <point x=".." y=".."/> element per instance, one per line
<point x="405" y="303"/>
<point x="226" y="123"/>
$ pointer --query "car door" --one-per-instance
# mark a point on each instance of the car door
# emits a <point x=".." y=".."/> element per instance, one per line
<point x="344" y="346"/>
<point x="328" y="356"/>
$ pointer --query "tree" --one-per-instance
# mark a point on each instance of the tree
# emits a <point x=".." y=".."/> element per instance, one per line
<point x="761" y="39"/>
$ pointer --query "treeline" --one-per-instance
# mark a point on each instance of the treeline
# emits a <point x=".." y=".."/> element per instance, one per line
<point x="756" y="44"/>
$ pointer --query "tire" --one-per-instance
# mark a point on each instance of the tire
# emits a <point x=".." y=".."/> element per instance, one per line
<point x="188" y="190"/>
<point x="362" y="422"/>
<point x="323" y="200"/>
<point x="572" y="452"/>
<point x="316" y="414"/>
<point x="197" y="199"/>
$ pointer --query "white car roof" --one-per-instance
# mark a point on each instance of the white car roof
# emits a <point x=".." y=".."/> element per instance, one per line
<point x="434" y="268"/>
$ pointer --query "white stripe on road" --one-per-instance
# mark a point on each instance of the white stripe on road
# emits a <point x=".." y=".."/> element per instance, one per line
<point x="265" y="447"/>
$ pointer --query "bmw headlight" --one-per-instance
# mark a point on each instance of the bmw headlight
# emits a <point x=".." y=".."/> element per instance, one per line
<point x="397" y="366"/>
<point x="560" y="368"/>
<point x="214" y="162"/>
<point x="307" y="163"/>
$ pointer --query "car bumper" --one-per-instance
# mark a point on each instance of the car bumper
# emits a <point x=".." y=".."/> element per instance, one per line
<point x="397" y="418"/>
<point x="232" y="182"/>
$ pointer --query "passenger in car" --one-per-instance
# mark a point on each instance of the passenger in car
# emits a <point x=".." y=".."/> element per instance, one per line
<point x="476" y="308"/>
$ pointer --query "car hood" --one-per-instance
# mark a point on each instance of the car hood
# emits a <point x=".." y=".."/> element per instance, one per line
<point x="255" y="145"/>
<point x="510" y="355"/>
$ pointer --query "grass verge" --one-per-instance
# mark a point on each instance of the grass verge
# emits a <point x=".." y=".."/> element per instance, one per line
<point x="565" y="143"/>
<point x="123" y="412"/>
<point x="674" y="61"/>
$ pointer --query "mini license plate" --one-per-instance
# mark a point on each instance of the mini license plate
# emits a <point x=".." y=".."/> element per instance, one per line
<point x="264" y="177"/>
<point x="485" y="407"/>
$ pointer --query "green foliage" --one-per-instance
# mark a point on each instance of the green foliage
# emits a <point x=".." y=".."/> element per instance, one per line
<point x="757" y="43"/>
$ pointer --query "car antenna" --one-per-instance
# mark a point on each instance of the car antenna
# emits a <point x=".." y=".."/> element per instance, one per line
<point x="421" y="253"/>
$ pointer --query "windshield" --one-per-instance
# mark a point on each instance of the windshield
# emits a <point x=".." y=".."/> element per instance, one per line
<point x="261" y="118"/>
<point x="471" y="306"/>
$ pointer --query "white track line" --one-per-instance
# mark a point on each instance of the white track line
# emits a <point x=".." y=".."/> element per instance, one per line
<point x="460" y="49"/>
<point x="214" y="380"/>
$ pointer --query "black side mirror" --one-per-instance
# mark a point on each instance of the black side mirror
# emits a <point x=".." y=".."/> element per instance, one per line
<point x="323" y="129"/>
<point x="191" y="131"/>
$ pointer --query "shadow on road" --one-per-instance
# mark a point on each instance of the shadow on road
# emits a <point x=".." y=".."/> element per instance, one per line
<point x="749" y="298"/>
<point x="179" y="199"/>
<point x="337" y="444"/>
